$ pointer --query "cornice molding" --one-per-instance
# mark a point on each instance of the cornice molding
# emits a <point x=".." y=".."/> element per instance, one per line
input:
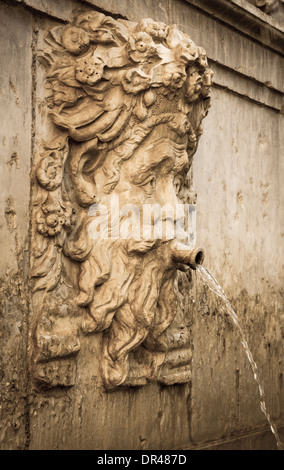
<point x="238" y="14"/>
<point x="246" y="18"/>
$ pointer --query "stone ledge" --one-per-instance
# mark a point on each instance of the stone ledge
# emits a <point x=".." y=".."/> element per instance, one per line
<point x="240" y="14"/>
<point x="246" y="18"/>
<point x="246" y="87"/>
<point x="236" y="23"/>
<point x="252" y="87"/>
<point x="255" y="14"/>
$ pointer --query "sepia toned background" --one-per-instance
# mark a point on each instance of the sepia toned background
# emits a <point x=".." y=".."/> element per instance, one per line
<point x="236" y="180"/>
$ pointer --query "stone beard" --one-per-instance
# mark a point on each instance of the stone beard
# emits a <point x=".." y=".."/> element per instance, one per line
<point x="127" y="101"/>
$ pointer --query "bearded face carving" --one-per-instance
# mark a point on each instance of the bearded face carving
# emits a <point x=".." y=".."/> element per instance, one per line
<point x="126" y="101"/>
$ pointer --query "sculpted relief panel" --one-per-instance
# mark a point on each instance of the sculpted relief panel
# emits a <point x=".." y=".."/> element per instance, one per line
<point x="126" y="102"/>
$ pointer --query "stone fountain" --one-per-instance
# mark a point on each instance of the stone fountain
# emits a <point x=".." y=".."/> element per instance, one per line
<point x="126" y="103"/>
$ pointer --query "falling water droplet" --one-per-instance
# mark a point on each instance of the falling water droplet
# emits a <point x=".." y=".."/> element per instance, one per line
<point x="210" y="281"/>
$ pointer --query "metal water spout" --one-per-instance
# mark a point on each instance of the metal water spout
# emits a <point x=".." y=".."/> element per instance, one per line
<point x="183" y="255"/>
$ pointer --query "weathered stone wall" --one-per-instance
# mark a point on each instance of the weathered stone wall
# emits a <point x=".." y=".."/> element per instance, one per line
<point x="16" y="148"/>
<point x="237" y="179"/>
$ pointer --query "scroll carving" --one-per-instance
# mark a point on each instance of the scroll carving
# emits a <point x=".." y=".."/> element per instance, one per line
<point x="126" y="101"/>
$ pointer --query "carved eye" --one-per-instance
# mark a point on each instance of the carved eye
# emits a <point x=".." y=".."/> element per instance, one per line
<point x="149" y="185"/>
<point x="177" y="184"/>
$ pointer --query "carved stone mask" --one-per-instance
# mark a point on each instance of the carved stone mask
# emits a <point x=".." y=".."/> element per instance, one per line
<point x="127" y="101"/>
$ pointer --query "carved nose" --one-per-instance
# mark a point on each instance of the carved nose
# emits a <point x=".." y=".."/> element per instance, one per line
<point x="166" y="196"/>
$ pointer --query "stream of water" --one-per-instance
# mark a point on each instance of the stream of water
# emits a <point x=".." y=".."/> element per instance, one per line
<point x="210" y="281"/>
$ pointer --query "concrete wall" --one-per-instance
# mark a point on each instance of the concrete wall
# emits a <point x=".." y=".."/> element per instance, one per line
<point x="237" y="174"/>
